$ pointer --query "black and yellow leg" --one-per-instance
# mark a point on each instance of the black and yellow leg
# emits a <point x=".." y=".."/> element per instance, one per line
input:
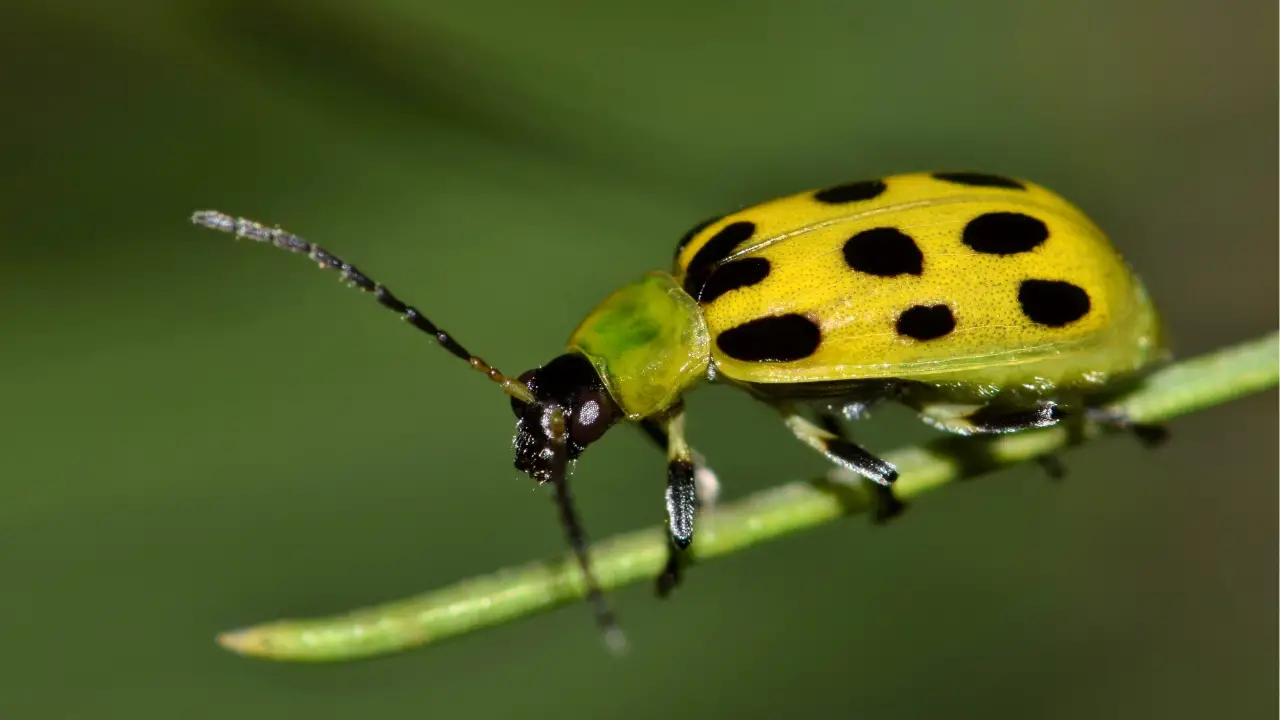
<point x="706" y="482"/>
<point x="993" y="419"/>
<point x="681" y="496"/>
<point x="682" y="493"/>
<point x="999" y="420"/>
<point x="831" y="440"/>
<point x="996" y="419"/>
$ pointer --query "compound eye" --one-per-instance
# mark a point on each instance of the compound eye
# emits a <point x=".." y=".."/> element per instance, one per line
<point x="591" y="417"/>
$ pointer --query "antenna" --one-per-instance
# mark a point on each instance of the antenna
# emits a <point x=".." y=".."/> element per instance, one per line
<point x="245" y="228"/>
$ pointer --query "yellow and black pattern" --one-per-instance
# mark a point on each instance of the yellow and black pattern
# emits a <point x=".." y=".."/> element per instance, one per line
<point x="913" y="275"/>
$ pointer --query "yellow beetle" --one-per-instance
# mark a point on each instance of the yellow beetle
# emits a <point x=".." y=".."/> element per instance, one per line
<point x="987" y="304"/>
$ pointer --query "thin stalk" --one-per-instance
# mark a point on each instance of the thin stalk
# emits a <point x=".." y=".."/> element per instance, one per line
<point x="488" y="600"/>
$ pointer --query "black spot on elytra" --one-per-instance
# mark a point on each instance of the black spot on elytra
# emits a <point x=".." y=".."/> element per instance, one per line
<point x="979" y="180"/>
<point x="778" y="338"/>
<point x="693" y="232"/>
<point x="883" y="252"/>
<point x="926" y="322"/>
<point x="850" y="192"/>
<point x="1004" y="233"/>
<point x="1053" y="303"/>
<point x="731" y="276"/>
<point x="717" y="248"/>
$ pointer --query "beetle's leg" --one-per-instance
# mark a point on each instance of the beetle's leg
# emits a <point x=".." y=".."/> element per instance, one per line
<point x="839" y="450"/>
<point x="991" y="419"/>
<point x="997" y="420"/>
<point x="887" y="505"/>
<point x="843" y="452"/>
<point x="682" y="493"/>
<point x="994" y="419"/>
<point x="704" y="478"/>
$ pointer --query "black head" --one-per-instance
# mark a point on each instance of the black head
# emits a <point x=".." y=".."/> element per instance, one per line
<point x="570" y="384"/>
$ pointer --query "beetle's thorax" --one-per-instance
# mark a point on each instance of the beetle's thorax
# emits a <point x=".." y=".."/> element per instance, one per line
<point x="570" y="385"/>
<point x="648" y="343"/>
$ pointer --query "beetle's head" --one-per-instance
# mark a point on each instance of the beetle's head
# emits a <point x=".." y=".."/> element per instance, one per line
<point x="571" y="387"/>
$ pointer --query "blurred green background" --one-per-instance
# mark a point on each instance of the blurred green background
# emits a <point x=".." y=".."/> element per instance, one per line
<point x="200" y="435"/>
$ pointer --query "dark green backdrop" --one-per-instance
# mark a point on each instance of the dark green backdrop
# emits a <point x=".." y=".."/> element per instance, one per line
<point x="199" y="435"/>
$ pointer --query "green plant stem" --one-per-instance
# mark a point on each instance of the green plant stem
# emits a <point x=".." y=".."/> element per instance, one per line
<point x="480" y="602"/>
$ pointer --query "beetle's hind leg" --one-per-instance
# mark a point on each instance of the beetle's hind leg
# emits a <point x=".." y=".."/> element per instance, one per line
<point x="830" y="439"/>
<point x="991" y="419"/>
<point x="999" y="420"/>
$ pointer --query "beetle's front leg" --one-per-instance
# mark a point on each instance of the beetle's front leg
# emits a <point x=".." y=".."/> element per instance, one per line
<point x="704" y="478"/>
<point x="682" y="493"/>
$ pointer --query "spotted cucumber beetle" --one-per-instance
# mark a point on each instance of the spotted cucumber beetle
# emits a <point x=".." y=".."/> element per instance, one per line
<point x="985" y="304"/>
